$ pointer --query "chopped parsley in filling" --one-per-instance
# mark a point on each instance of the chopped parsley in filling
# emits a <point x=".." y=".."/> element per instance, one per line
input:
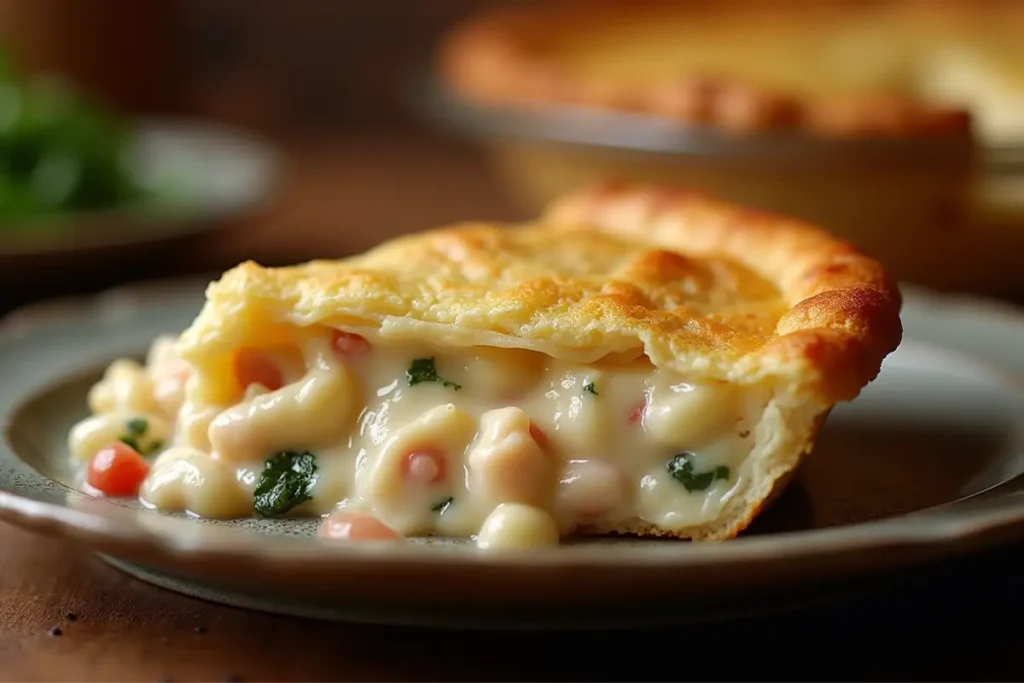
<point x="425" y="370"/>
<point x="682" y="470"/>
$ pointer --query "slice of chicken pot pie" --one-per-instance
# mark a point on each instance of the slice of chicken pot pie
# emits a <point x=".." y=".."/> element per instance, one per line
<point x="640" y="360"/>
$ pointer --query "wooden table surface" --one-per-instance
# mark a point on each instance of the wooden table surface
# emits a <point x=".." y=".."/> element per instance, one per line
<point x="956" y="620"/>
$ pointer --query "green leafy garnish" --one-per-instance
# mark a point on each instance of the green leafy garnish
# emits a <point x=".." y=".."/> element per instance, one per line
<point x="61" y="152"/>
<point x="443" y="505"/>
<point x="424" y="370"/>
<point x="681" y="469"/>
<point x="589" y="386"/>
<point x="285" y="482"/>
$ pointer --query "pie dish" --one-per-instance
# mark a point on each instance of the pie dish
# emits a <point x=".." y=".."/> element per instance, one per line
<point x="868" y="118"/>
<point x="639" y="360"/>
<point x="854" y="69"/>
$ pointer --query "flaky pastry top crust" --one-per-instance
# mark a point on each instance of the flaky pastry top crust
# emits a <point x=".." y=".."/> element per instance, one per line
<point x="501" y="57"/>
<point x="699" y="286"/>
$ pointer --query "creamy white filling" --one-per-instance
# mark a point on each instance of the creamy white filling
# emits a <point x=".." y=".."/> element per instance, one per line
<point x="469" y="441"/>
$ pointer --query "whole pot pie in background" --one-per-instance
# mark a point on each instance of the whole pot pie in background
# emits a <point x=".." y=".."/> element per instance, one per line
<point x="639" y="360"/>
<point x="873" y="119"/>
<point x="833" y="70"/>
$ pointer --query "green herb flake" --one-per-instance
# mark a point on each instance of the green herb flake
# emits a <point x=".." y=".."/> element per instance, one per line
<point x="137" y="426"/>
<point x="443" y="505"/>
<point x="589" y="386"/>
<point x="425" y="370"/>
<point x="135" y="438"/>
<point x="681" y="469"/>
<point x="285" y="482"/>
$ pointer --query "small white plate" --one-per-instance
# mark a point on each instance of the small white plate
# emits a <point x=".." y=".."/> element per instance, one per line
<point x="924" y="464"/>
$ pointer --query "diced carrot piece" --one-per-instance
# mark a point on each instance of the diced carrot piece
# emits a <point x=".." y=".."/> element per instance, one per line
<point x="346" y="525"/>
<point x="638" y="413"/>
<point x="117" y="470"/>
<point x="349" y="345"/>
<point x="425" y="466"/>
<point x="539" y="436"/>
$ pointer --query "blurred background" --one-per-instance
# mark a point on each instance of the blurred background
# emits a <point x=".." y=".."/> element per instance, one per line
<point x="316" y="83"/>
<point x="287" y="131"/>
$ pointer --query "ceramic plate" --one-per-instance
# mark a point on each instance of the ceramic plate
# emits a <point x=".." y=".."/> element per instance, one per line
<point x="926" y="463"/>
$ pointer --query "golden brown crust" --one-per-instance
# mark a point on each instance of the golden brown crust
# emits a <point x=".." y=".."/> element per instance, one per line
<point x="502" y="57"/>
<point x="843" y="311"/>
<point x="701" y="287"/>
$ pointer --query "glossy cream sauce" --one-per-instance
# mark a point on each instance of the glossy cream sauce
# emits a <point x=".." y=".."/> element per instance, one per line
<point x="511" y="446"/>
